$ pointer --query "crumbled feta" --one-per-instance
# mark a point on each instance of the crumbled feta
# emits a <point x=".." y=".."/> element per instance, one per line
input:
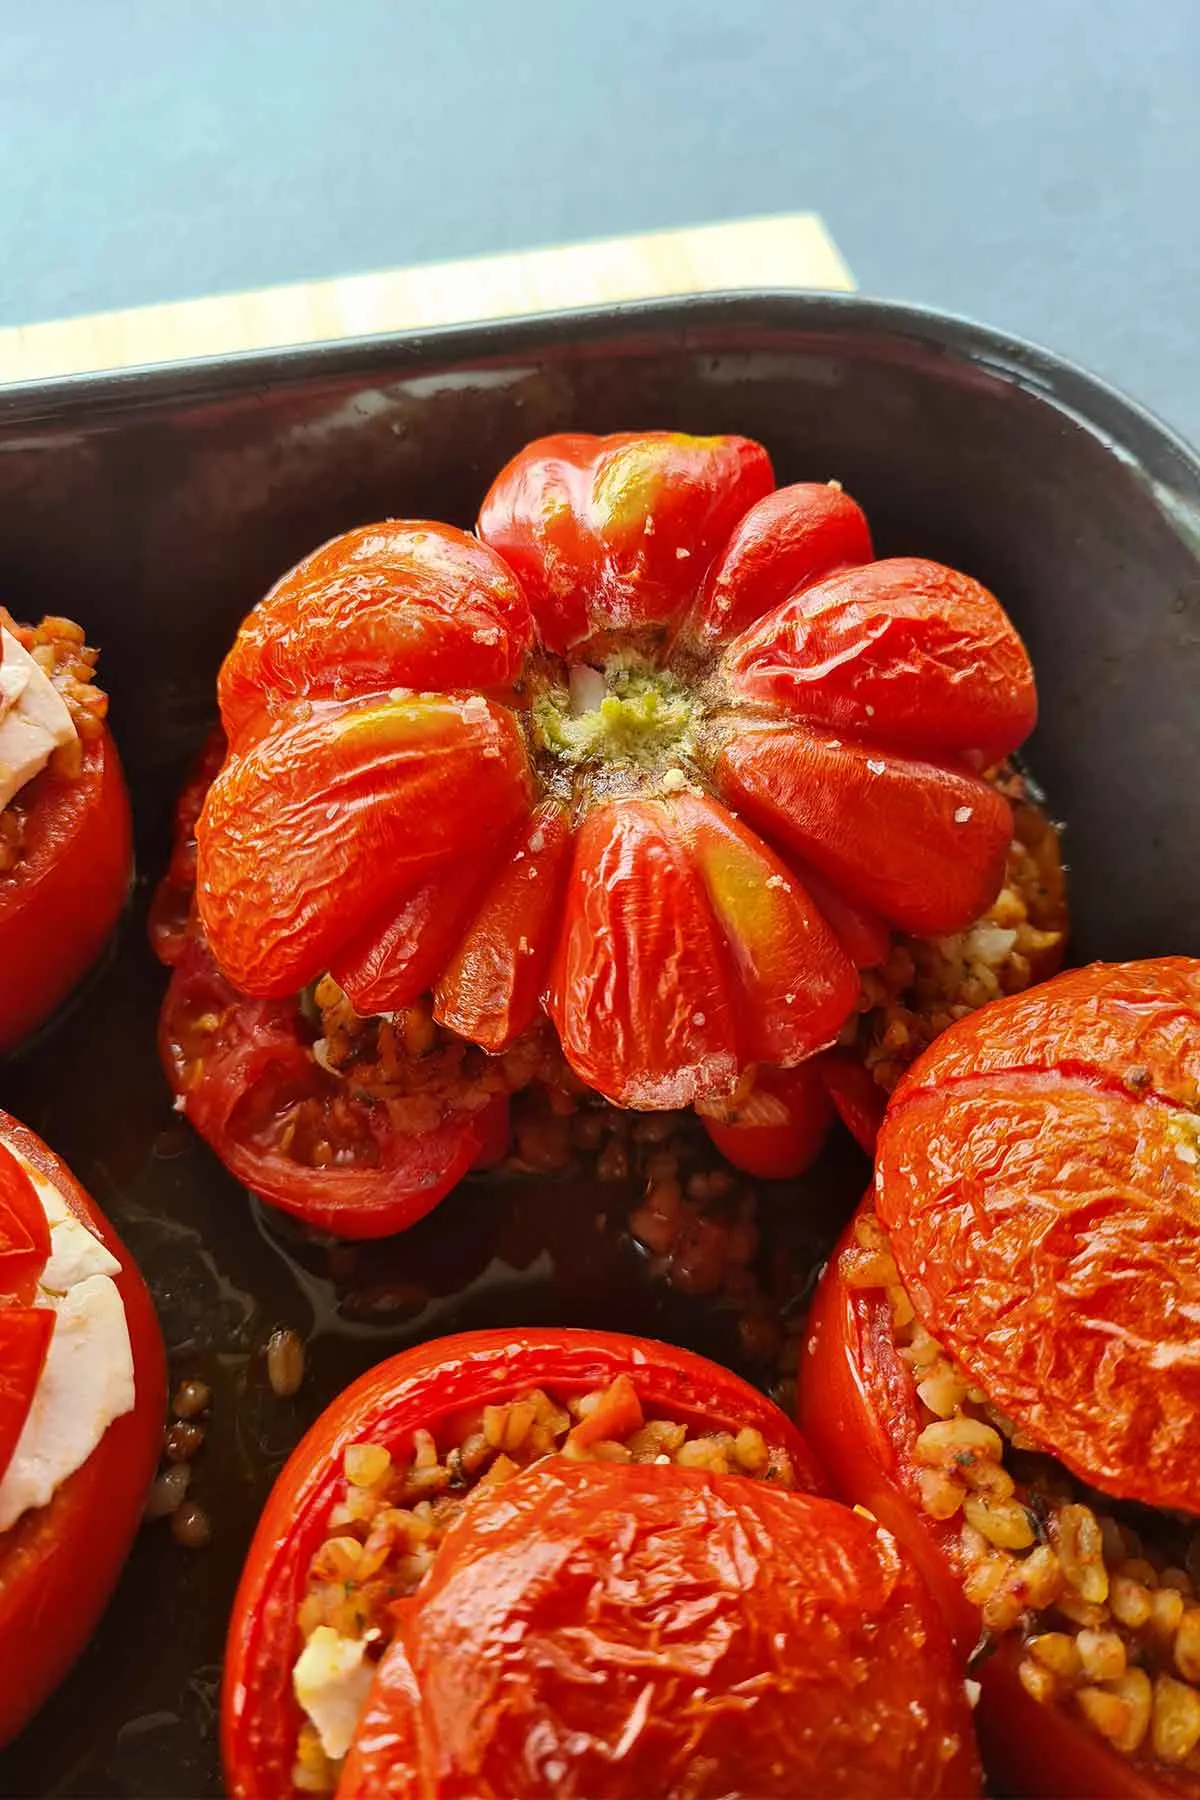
<point x="88" y="1378"/>
<point x="331" y="1680"/>
<point x="34" y="720"/>
<point x="74" y="1253"/>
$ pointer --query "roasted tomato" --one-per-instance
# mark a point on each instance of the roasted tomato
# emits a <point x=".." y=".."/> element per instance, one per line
<point x="247" y="1075"/>
<point x="665" y="753"/>
<point x="81" y="1410"/>
<point x="776" y="1128"/>
<point x="172" y="910"/>
<point x="283" y="1093"/>
<point x="564" y="1562"/>
<point x="1007" y="1375"/>
<point x="65" y="836"/>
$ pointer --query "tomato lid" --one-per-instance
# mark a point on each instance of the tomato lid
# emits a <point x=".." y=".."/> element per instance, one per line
<point x="1039" y="1174"/>
<point x="630" y="1629"/>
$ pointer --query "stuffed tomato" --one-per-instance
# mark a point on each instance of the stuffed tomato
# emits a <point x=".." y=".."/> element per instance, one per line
<point x="81" y="1412"/>
<point x="564" y="1562"/>
<point x="65" y="835"/>
<point x="357" y="1126"/>
<point x="653" y="764"/>
<point x="1002" y="1365"/>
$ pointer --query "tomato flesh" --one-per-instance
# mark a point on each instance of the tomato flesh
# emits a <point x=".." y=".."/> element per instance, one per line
<point x="443" y="1381"/>
<point x="296" y="1134"/>
<point x="59" y="1562"/>
<point x="644" y="635"/>
<point x="25" y="1333"/>
<point x="860" y="1410"/>
<point x="24" y="1233"/>
<point x="600" y="1555"/>
<point x="780" y="1131"/>
<point x="60" y="904"/>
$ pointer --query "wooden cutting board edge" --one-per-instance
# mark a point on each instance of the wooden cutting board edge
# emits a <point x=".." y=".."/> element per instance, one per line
<point x="791" y="250"/>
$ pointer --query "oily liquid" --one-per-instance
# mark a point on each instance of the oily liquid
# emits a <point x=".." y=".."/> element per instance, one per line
<point x="138" y="1716"/>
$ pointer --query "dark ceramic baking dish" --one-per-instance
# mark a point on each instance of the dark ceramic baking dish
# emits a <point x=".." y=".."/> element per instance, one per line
<point x="158" y="506"/>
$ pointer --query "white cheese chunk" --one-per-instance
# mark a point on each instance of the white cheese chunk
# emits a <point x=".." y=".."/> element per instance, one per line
<point x="74" y="1252"/>
<point x="332" y="1681"/>
<point x="34" y="718"/>
<point x="87" y="1380"/>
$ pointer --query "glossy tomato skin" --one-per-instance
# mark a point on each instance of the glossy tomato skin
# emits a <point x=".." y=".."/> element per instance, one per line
<point x="569" y="513"/>
<point x="59" y="1564"/>
<point x="61" y="904"/>
<point x="236" y="1062"/>
<point x="253" y="1044"/>
<point x="857" y="1097"/>
<point x="427" y="1386"/>
<point x="782" y="1129"/>
<point x="756" y="686"/>
<point x="1036" y="1172"/>
<point x="172" y="906"/>
<point x="692" y="1682"/>
<point x="858" y="1408"/>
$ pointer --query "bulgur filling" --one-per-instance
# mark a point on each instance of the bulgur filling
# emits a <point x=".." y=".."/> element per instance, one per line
<point x="411" y="1064"/>
<point x="927" y="983"/>
<point x="1101" y="1595"/>
<point x="58" y="647"/>
<point x="392" y="1511"/>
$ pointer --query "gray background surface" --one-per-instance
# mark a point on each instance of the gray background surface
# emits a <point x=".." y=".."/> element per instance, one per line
<point x="1035" y="163"/>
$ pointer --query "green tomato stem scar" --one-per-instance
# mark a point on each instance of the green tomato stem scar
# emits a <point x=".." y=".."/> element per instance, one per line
<point x="620" y="714"/>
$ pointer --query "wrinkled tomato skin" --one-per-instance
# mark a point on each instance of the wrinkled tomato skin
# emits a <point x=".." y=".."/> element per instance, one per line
<point x="59" y="1564"/>
<point x="427" y="1386"/>
<point x="569" y="514"/>
<point x="401" y="702"/>
<point x="859" y="1409"/>
<point x="61" y="904"/>
<point x="1036" y="1173"/>
<point x="264" y="1044"/>
<point x="794" y="537"/>
<point x="571" y="1562"/>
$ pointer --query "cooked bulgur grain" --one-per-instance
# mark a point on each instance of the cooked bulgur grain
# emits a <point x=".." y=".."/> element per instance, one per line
<point x="927" y="983"/>
<point x="392" y="1510"/>
<point x="1099" y="1593"/>
<point x="285" y="1362"/>
<point x="57" y="646"/>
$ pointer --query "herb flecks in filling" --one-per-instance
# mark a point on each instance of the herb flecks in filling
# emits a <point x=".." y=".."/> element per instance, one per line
<point x="1101" y="1595"/>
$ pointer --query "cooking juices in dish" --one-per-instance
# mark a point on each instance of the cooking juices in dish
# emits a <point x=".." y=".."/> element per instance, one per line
<point x="1003" y="1366"/>
<point x="65" y="841"/>
<point x="569" y="1562"/>
<point x="661" y="757"/>
<point x="81" y="1403"/>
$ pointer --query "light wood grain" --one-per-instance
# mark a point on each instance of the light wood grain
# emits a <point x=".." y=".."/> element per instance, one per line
<point x="789" y="251"/>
